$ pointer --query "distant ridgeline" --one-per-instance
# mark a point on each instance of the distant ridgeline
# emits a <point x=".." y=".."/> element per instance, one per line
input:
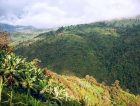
<point x="14" y="28"/>
<point x="108" y="51"/>
<point x="6" y="27"/>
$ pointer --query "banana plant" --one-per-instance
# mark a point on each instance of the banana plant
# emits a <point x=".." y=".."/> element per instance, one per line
<point x="1" y="87"/>
<point x="15" y="71"/>
<point x="58" y="91"/>
<point x="28" y="84"/>
<point x="2" y="56"/>
<point x="10" y="74"/>
<point x="28" y="81"/>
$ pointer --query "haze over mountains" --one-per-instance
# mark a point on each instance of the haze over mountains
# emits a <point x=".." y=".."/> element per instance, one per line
<point x="70" y="53"/>
<point x="48" y="13"/>
<point x="12" y="28"/>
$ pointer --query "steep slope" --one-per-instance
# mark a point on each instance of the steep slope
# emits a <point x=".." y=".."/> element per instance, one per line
<point x="108" y="51"/>
<point x="25" y="84"/>
<point x="91" y="93"/>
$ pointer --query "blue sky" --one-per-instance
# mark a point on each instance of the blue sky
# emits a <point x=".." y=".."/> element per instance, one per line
<point x="54" y="13"/>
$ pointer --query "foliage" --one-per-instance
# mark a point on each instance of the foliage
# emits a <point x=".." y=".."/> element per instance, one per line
<point x="107" y="50"/>
<point x="91" y="93"/>
<point x="25" y="84"/>
<point x="18" y="76"/>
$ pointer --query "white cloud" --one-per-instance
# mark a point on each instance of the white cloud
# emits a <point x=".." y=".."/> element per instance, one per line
<point x="51" y="13"/>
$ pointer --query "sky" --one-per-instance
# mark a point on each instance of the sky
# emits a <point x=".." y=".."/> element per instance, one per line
<point x="54" y="13"/>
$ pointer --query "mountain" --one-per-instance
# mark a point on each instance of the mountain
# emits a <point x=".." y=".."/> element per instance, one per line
<point x="24" y="83"/>
<point x="125" y="22"/>
<point x="6" y="27"/>
<point x="106" y="50"/>
<point x="19" y="33"/>
<point x="12" y="28"/>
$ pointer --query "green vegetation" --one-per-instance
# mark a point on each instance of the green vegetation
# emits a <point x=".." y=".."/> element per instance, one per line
<point x="19" y="37"/>
<point x="107" y="50"/>
<point x="24" y="83"/>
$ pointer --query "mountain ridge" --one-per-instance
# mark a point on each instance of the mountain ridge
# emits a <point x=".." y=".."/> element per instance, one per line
<point x="107" y="50"/>
<point x="14" y="28"/>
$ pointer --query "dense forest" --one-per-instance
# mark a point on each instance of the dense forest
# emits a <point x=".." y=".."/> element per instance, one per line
<point x="24" y="83"/>
<point x="107" y="50"/>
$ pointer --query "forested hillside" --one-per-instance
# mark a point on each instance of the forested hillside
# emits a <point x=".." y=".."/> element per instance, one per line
<point x="107" y="50"/>
<point x="23" y="83"/>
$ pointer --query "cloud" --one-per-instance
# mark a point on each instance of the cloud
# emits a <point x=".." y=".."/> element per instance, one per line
<point x="53" y="13"/>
